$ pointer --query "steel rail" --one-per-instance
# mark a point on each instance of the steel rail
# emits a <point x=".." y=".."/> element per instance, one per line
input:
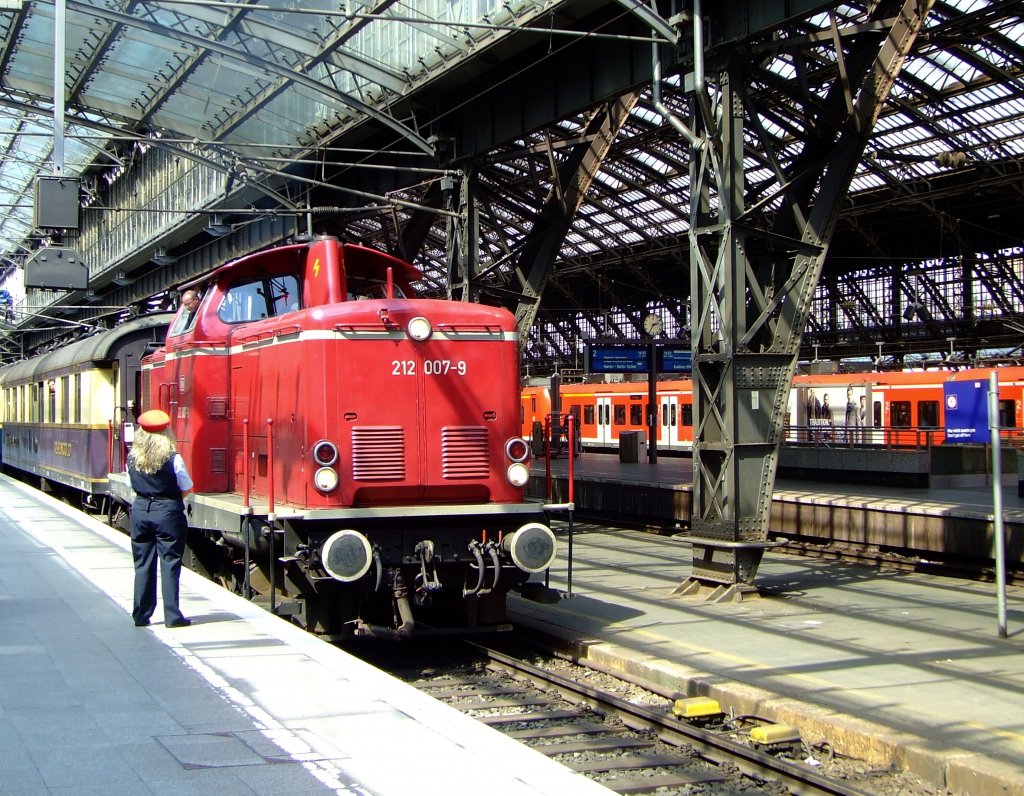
<point x="797" y="778"/>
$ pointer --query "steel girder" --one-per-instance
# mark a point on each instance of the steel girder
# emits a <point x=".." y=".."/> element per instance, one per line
<point x="753" y="282"/>
<point x="571" y="183"/>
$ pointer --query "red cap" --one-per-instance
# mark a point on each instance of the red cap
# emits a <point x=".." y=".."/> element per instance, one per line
<point x="154" y="420"/>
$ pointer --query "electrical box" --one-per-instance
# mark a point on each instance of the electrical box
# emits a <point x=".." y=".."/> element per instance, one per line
<point x="56" y="268"/>
<point x="58" y="203"/>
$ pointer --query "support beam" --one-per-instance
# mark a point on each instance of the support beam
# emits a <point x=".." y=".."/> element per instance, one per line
<point x="753" y="278"/>
<point x="571" y="182"/>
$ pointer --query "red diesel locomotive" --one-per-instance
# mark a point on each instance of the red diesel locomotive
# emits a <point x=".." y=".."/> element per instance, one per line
<point x="355" y="450"/>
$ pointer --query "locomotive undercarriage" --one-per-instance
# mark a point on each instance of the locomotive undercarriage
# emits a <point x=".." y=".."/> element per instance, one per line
<point x="362" y="577"/>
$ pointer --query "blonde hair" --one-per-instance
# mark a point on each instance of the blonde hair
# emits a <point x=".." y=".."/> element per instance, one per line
<point x="151" y="449"/>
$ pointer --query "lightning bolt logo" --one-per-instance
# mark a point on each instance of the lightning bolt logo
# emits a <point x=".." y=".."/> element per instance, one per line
<point x="316" y="267"/>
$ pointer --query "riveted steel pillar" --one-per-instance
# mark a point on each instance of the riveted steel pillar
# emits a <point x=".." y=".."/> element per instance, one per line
<point x="749" y="310"/>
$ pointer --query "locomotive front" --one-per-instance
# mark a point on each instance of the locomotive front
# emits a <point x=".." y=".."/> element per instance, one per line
<point x="374" y="438"/>
<point x="419" y="447"/>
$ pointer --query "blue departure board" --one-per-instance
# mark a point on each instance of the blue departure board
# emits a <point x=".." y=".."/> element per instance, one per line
<point x="618" y="358"/>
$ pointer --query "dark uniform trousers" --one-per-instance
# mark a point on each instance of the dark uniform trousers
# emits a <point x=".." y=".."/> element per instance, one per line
<point x="158" y="529"/>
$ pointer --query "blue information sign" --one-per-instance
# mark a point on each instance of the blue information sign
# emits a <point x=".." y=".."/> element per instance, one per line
<point x="675" y="359"/>
<point x="618" y="358"/>
<point x="966" y="411"/>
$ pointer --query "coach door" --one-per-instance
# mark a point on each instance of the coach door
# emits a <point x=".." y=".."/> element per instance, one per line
<point x="668" y="436"/>
<point x="604" y="420"/>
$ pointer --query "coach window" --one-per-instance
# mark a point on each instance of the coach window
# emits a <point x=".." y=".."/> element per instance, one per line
<point x="636" y="414"/>
<point x="51" y="401"/>
<point x="588" y="414"/>
<point x="899" y="413"/>
<point x="687" y="414"/>
<point x="620" y="415"/>
<point x="574" y="410"/>
<point x="1007" y="417"/>
<point x="928" y="414"/>
<point x="65" y="395"/>
<point x="78" y="397"/>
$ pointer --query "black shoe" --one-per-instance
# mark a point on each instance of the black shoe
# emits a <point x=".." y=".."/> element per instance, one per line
<point x="183" y="622"/>
<point x="142" y="623"/>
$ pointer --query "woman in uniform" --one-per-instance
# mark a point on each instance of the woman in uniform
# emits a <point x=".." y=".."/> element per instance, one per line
<point x="159" y="528"/>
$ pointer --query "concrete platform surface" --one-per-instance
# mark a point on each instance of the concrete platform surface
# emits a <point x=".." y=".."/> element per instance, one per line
<point x="903" y="669"/>
<point x="239" y="703"/>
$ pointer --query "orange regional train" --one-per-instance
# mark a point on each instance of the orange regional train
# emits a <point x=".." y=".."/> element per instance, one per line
<point x="891" y="408"/>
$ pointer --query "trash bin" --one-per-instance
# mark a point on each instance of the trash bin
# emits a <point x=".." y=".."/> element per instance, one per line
<point x="629" y="446"/>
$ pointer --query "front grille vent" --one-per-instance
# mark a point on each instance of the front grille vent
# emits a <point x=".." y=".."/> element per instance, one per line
<point x="464" y="452"/>
<point x="378" y="453"/>
<point x="218" y="460"/>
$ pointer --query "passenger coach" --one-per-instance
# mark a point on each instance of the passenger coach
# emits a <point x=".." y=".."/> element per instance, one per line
<point x="65" y="412"/>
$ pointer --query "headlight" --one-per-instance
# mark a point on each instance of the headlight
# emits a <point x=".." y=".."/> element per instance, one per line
<point x="532" y="548"/>
<point x="419" y="329"/>
<point x="346" y="555"/>
<point x="518" y="474"/>
<point x="325" y="453"/>
<point x="517" y="450"/>
<point x="325" y="479"/>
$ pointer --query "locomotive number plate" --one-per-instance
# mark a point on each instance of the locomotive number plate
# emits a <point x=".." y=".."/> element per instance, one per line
<point x="429" y="367"/>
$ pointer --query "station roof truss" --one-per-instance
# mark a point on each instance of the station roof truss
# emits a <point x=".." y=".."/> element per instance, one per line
<point x="926" y="260"/>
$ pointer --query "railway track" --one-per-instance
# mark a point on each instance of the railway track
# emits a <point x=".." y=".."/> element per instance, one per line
<point x="630" y="746"/>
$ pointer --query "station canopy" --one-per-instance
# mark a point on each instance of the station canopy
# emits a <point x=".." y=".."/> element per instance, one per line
<point x="267" y="82"/>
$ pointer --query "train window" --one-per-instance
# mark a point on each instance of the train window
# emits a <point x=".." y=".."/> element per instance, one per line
<point x="65" y="399"/>
<point x="899" y="414"/>
<point x="636" y="414"/>
<point x="78" y="397"/>
<point x="533" y="403"/>
<point x="360" y="288"/>
<point x="928" y="414"/>
<point x="588" y="415"/>
<point x="1007" y="414"/>
<point x="51" y="401"/>
<point x="252" y="299"/>
<point x="620" y="415"/>
<point x="672" y="412"/>
<point x="687" y="414"/>
<point x="876" y="414"/>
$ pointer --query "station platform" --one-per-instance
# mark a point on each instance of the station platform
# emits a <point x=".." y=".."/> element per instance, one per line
<point x="903" y="670"/>
<point x="951" y="522"/>
<point x="239" y="703"/>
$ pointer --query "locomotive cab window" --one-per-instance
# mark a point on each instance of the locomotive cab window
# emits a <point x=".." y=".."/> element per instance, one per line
<point x="263" y="297"/>
<point x="360" y="288"/>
